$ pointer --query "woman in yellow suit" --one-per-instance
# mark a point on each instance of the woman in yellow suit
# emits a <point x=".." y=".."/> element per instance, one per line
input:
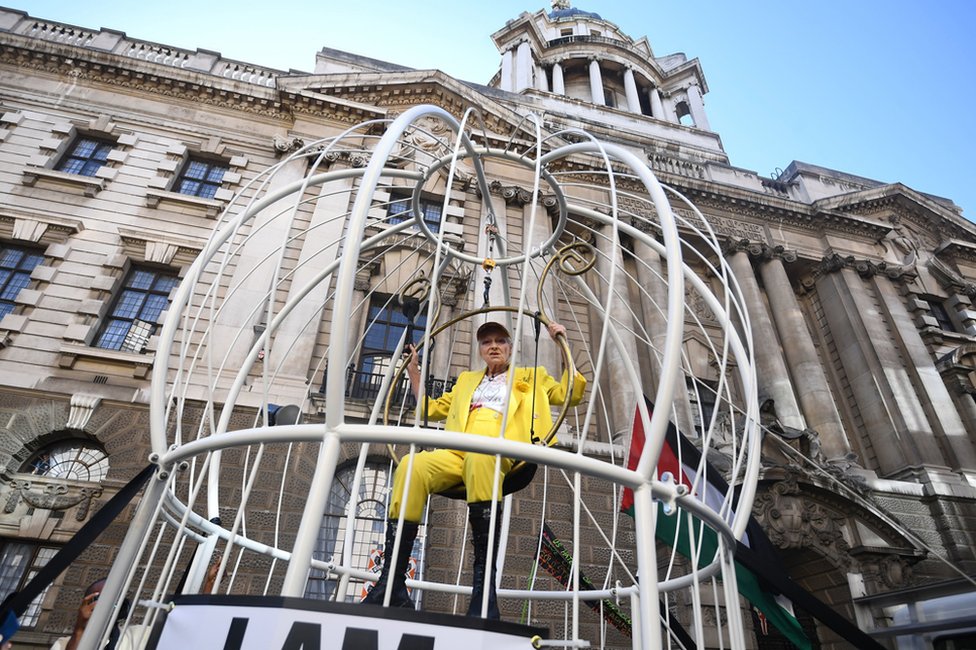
<point x="475" y="405"/>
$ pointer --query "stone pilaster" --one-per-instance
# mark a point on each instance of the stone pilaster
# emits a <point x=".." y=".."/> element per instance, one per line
<point x="932" y="392"/>
<point x="893" y="418"/>
<point x="696" y="104"/>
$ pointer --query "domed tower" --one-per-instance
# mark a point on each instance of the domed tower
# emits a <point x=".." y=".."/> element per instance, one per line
<point x="578" y="54"/>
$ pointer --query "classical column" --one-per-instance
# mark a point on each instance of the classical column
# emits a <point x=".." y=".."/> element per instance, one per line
<point x="558" y="85"/>
<point x="893" y="419"/>
<point x="620" y="393"/>
<point x="812" y="388"/>
<point x="541" y="83"/>
<point x="774" y="378"/>
<point x="657" y="107"/>
<point x="651" y="277"/>
<point x="697" y="107"/>
<point x="596" y="83"/>
<point x="549" y="355"/>
<point x="966" y="406"/>
<point x="668" y="104"/>
<point x="506" y="80"/>
<point x="630" y="88"/>
<point x="523" y="67"/>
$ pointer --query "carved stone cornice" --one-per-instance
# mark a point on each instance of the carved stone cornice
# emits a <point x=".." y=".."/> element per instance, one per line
<point x="957" y="250"/>
<point x="166" y="81"/>
<point x="864" y="268"/>
<point x="895" y="206"/>
<point x="759" y="250"/>
<point x="788" y="213"/>
<point x="950" y="280"/>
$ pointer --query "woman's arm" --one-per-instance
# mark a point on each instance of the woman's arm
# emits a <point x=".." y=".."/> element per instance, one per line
<point x="437" y="409"/>
<point x="556" y="391"/>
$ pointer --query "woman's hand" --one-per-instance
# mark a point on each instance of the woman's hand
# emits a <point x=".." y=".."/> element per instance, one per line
<point x="411" y="361"/>
<point x="555" y="329"/>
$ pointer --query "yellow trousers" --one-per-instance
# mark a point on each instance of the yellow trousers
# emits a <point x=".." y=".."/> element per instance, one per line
<point x="440" y="469"/>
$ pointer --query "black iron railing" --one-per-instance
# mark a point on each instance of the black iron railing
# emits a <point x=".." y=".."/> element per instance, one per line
<point x="361" y="385"/>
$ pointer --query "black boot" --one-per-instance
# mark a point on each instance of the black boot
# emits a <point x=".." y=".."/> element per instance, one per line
<point x="399" y="597"/>
<point x="479" y="514"/>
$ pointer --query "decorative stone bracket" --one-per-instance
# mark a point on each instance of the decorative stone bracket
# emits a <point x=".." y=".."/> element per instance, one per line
<point x="51" y="496"/>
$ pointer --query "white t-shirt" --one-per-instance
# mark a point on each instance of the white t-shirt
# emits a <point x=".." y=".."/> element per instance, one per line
<point x="491" y="393"/>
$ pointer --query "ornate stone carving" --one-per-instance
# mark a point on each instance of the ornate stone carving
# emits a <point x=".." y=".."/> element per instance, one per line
<point x="732" y="228"/>
<point x="283" y="144"/>
<point x="82" y="408"/>
<point x="513" y="194"/>
<point x="888" y="571"/>
<point x="864" y="268"/>
<point x="793" y="521"/>
<point x="52" y="496"/>
<point x="760" y="250"/>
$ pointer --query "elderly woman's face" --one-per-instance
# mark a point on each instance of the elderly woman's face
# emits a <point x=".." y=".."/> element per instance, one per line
<point x="495" y="349"/>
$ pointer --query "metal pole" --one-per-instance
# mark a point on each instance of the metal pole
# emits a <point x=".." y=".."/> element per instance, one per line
<point x="129" y="552"/>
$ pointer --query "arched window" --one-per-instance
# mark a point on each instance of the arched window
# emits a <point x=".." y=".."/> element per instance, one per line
<point x="683" y="112"/>
<point x="75" y="460"/>
<point x="369" y="528"/>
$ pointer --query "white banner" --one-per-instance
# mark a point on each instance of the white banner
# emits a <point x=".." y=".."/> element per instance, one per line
<point x="242" y="623"/>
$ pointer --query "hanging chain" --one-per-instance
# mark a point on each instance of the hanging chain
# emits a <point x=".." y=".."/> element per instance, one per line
<point x="489" y="264"/>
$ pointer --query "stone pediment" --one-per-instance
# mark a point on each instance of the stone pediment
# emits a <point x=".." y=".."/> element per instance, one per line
<point x="898" y="204"/>
<point x="402" y="89"/>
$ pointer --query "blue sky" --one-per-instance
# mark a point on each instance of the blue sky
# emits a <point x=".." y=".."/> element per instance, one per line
<point x="884" y="89"/>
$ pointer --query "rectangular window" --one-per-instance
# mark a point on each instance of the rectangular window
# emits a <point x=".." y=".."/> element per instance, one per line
<point x="385" y="325"/>
<point x="400" y="210"/>
<point x="19" y="562"/>
<point x="135" y="314"/>
<point x="200" y="178"/>
<point x="701" y="394"/>
<point x="86" y="156"/>
<point x="16" y="265"/>
<point x="941" y="315"/>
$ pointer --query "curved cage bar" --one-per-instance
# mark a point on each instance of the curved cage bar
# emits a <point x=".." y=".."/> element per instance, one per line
<point x="279" y="406"/>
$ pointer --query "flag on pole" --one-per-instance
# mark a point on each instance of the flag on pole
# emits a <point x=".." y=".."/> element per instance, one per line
<point x="674" y="529"/>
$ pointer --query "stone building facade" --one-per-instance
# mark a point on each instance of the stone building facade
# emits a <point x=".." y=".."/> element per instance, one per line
<point x="117" y="156"/>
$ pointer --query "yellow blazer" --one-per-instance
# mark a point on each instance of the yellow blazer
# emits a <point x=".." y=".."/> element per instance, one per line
<point x="455" y="404"/>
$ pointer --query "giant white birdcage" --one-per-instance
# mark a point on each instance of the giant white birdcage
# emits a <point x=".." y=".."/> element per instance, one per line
<point x="278" y="406"/>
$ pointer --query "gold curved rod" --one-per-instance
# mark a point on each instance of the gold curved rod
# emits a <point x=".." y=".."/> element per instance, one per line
<point x="560" y="340"/>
